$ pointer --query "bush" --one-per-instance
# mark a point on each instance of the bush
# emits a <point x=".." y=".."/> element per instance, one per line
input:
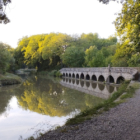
<point x="53" y="73"/>
<point x="58" y="74"/>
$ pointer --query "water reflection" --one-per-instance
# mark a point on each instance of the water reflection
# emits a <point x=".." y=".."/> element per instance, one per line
<point x="77" y="82"/>
<point x="82" y="83"/>
<point x="94" y="85"/>
<point x="87" y="84"/>
<point x="38" y="99"/>
<point x="101" y="86"/>
<point x="93" y="88"/>
<point x="73" y="81"/>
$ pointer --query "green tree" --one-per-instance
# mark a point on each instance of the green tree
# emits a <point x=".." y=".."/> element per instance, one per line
<point x="6" y="58"/>
<point x="19" y="54"/>
<point x="128" y="27"/>
<point x="89" y="55"/>
<point x="134" y="61"/>
<point x="73" y="57"/>
<point x="98" y="60"/>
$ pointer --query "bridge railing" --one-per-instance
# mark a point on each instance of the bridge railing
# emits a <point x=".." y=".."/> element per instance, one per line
<point x="85" y="69"/>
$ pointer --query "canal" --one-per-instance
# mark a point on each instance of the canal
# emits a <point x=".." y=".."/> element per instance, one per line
<point x="42" y="103"/>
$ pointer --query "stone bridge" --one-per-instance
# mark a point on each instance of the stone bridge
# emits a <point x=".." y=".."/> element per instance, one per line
<point x="105" y="74"/>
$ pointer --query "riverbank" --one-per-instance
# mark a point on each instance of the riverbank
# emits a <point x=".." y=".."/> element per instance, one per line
<point x="9" y="79"/>
<point x="117" y="123"/>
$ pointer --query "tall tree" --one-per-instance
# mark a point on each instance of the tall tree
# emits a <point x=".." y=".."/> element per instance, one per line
<point x="128" y="29"/>
<point x="6" y="58"/>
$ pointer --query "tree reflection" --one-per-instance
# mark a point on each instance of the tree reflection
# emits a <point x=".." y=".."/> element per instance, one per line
<point x="46" y="97"/>
<point x="6" y="94"/>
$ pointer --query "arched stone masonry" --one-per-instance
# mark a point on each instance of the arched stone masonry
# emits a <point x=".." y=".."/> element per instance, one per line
<point x="101" y="78"/>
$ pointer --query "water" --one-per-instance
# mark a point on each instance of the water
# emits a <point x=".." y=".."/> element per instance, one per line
<point x="40" y="104"/>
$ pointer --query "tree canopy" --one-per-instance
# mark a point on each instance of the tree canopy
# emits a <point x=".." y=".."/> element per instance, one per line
<point x="48" y="51"/>
<point x="128" y="27"/>
<point x="6" y="57"/>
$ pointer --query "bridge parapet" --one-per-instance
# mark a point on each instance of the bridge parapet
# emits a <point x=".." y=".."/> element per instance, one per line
<point x="128" y="70"/>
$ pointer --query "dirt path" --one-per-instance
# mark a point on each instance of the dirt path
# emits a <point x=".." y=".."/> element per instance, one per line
<point x="119" y="123"/>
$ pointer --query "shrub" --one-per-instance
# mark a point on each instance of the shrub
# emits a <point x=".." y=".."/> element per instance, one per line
<point x="58" y="74"/>
<point x="53" y="73"/>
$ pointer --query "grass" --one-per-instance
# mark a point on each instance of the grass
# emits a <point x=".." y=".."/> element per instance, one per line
<point x="9" y="78"/>
<point x="106" y="105"/>
<point x="130" y="91"/>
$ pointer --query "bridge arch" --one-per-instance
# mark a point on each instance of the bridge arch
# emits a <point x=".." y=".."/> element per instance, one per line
<point x="77" y="76"/>
<point x="120" y="79"/>
<point x="69" y="80"/>
<point x="101" y="78"/>
<point x="66" y="74"/>
<point x="73" y="75"/>
<point x="82" y="76"/>
<point x="69" y="74"/>
<point x="94" y="78"/>
<point x="110" y="79"/>
<point x="87" y="77"/>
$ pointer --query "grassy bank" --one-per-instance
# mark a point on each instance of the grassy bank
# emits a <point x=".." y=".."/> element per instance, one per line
<point x="107" y="104"/>
<point x="9" y="79"/>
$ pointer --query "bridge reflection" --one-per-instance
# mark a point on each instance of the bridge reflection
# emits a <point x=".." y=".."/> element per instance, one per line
<point x="92" y="88"/>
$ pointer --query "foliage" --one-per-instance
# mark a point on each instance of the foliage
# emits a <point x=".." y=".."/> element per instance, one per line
<point x="10" y="79"/>
<point x="53" y="73"/>
<point x="73" y="57"/>
<point x="58" y="74"/>
<point x="99" y="58"/>
<point x="49" y="51"/>
<point x="6" y="58"/>
<point x="128" y="27"/>
<point x="134" y="61"/>
<point x="89" y="54"/>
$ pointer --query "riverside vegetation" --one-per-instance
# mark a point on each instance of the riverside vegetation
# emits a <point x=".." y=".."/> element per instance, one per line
<point x="6" y="64"/>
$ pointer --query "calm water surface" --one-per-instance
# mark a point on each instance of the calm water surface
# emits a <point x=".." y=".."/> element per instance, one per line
<point x="41" y="104"/>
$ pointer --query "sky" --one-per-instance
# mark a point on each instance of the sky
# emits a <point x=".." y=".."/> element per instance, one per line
<point x="30" y="17"/>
